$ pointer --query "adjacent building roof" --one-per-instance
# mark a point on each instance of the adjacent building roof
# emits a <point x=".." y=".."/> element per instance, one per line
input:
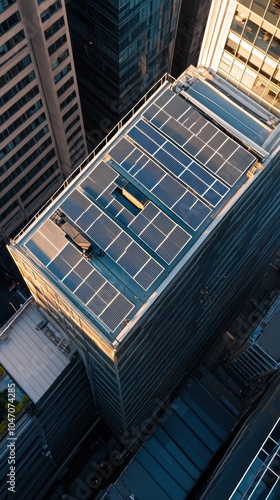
<point x="111" y="241"/>
<point x="179" y="450"/>
<point x="32" y="359"/>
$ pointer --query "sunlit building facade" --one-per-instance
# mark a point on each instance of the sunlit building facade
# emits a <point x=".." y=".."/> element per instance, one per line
<point x="242" y="44"/>
<point x="42" y="134"/>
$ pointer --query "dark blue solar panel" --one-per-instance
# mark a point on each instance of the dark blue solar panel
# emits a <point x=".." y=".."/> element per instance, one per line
<point x="213" y="197"/>
<point x="150" y="211"/>
<point x="133" y="259"/>
<point x="151" y="132"/>
<point x="125" y="217"/>
<point x="121" y="150"/>
<point x="89" y="217"/>
<point x="163" y="223"/>
<point x="192" y="181"/>
<point x="70" y="254"/>
<point x="59" y="268"/>
<point x="193" y="216"/>
<point x="139" y="224"/>
<point x="202" y="173"/>
<point x="116" y="312"/>
<point x="72" y="281"/>
<point x="149" y="274"/>
<point x="220" y="188"/>
<point x="103" y="231"/>
<point x="107" y="293"/>
<point x="179" y="155"/>
<point x="150" y="175"/>
<point x="128" y="163"/>
<point x="170" y="163"/>
<point x="96" y="305"/>
<point x="83" y="269"/>
<point x="84" y="293"/>
<point x="169" y="191"/>
<point x="75" y="205"/>
<point x="95" y="281"/>
<point x="143" y="140"/>
<point x="152" y="236"/>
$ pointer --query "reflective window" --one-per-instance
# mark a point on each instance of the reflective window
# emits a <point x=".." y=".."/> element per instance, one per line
<point x="9" y="23"/>
<point x="62" y="73"/>
<point x="20" y="137"/>
<point x="57" y="44"/>
<point x="54" y="28"/>
<point x="24" y="149"/>
<point x="21" y="119"/>
<point x="70" y="112"/>
<point x="17" y="88"/>
<point x="66" y="86"/>
<point x="5" y="4"/>
<point x="15" y="70"/>
<point x="19" y="104"/>
<point x="67" y="100"/>
<point x="12" y="42"/>
<point x="46" y="14"/>
<point x="60" y="59"/>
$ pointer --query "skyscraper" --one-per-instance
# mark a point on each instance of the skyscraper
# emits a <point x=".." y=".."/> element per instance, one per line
<point x="121" y="49"/>
<point x="42" y="134"/>
<point x="143" y="256"/>
<point x="242" y="43"/>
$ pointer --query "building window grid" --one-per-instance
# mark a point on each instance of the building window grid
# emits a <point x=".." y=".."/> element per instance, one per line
<point x="65" y="86"/>
<point x="22" y="135"/>
<point x="57" y="44"/>
<point x="60" y="59"/>
<point x="12" y="42"/>
<point x="62" y="73"/>
<point x="9" y="23"/>
<point x="17" y="88"/>
<point x="70" y="112"/>
<point x="67" y="101"/>
<point x="15" y="70"/>
<point x="74" y="134"/>
<point x="51" y="11"/>
<point x="19" y="104"/>
<point x="5" y="4"/>
<point x="21" y="120"/>
<point x="76" y="120"/>
<point x="54" y="28"/>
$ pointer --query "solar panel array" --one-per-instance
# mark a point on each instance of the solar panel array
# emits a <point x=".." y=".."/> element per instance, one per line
<point x="179" y="163"/>
<point x="66" y="263"/>
<point x="151" y="225"/>
<point x="161" y="184"/>
<point x="113" y="240"/>
<point x="211" y="147"/>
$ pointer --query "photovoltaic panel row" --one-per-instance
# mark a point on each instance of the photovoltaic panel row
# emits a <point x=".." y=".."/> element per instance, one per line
<point x="168" y="190"/>
<point x="179" y="163"/>
<point x="110" y="238"/>
<point x="159" y="232"/>
<point x="46" y="243"/>
<point x="203" y="140"/>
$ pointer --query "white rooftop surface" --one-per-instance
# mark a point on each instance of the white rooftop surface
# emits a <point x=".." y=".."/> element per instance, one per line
<point x="28" y="355"/>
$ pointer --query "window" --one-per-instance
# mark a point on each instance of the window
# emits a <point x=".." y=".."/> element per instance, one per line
<point x="57" y="44"/>
<point x="5" y="4"/>
<point x="12" y="42"/>
<point x="46" y="14"/>
<point x="70" y="112"/>
<point x="64" y="87"/>
<point x="20" y="169"/>
<point x="9" y="23"/>
<point x="62" y="73"/>
<point x="24" y="149"/>
<point x="54" y="28"/>
<point x="72" y="136"/>
<point x="60" y="59"/>
<point x="17" y="88"/>
<point x="76" y="120"/>
<point x="67" y="100"/>
<point x="21" y="119"/>
<point x="19" y="104"/>
<point x="21" y="136"/>
<point x="14" y="70"/>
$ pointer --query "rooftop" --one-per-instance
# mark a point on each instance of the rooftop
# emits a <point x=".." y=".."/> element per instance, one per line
<point x="116" y="235"/>
<point x="32" y="358"/>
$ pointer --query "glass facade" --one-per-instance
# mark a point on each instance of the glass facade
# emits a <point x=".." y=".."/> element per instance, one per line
<point x="251" y="56"/>
<point x="127" y="45"/>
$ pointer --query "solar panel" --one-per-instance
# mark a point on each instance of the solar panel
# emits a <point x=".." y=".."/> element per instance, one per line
<point x="72" y="281"/>
<point x="104" y="231"/>
<point x="122" y="149"/>
<point x="59" y="268"/>
<point x="88" y="218"/>
<point x="150" y="132"/>
<point x="164" y="98"/>
<point x="176" y="131"/>
<point x="152" y="236"/>
<point x="83" y="269"/>
<point x="160" y="119"/>
<point x="95" y="280"/>
<point x="142" y="139"/>
<point x="70" y="254"/>
<point x="125" y="217"/>
<point x="194" y="145"/>
<point x="107" y="293"/>
<point x="118" y="309"/>
<point x="41" y="248"/>
<point x="76" y="204"/>
<point x="175" y="107"/>
<point x="84" y="293"/>
<point x="168" y="190"/>
<point x="148" y="274"/>
<point x="150" y="175"/>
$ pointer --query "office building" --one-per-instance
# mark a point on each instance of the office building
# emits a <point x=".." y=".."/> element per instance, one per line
<point x="191" y="25"/>
<point x="157" y="239"/>
<point x="60" y="411"/>
<point x="121" y="49"/>
<point x="242" y="44"/>
<point x="42" y="134"/>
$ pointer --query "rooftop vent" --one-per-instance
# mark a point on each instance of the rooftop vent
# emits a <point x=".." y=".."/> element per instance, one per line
<point x="73" y="234"/>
